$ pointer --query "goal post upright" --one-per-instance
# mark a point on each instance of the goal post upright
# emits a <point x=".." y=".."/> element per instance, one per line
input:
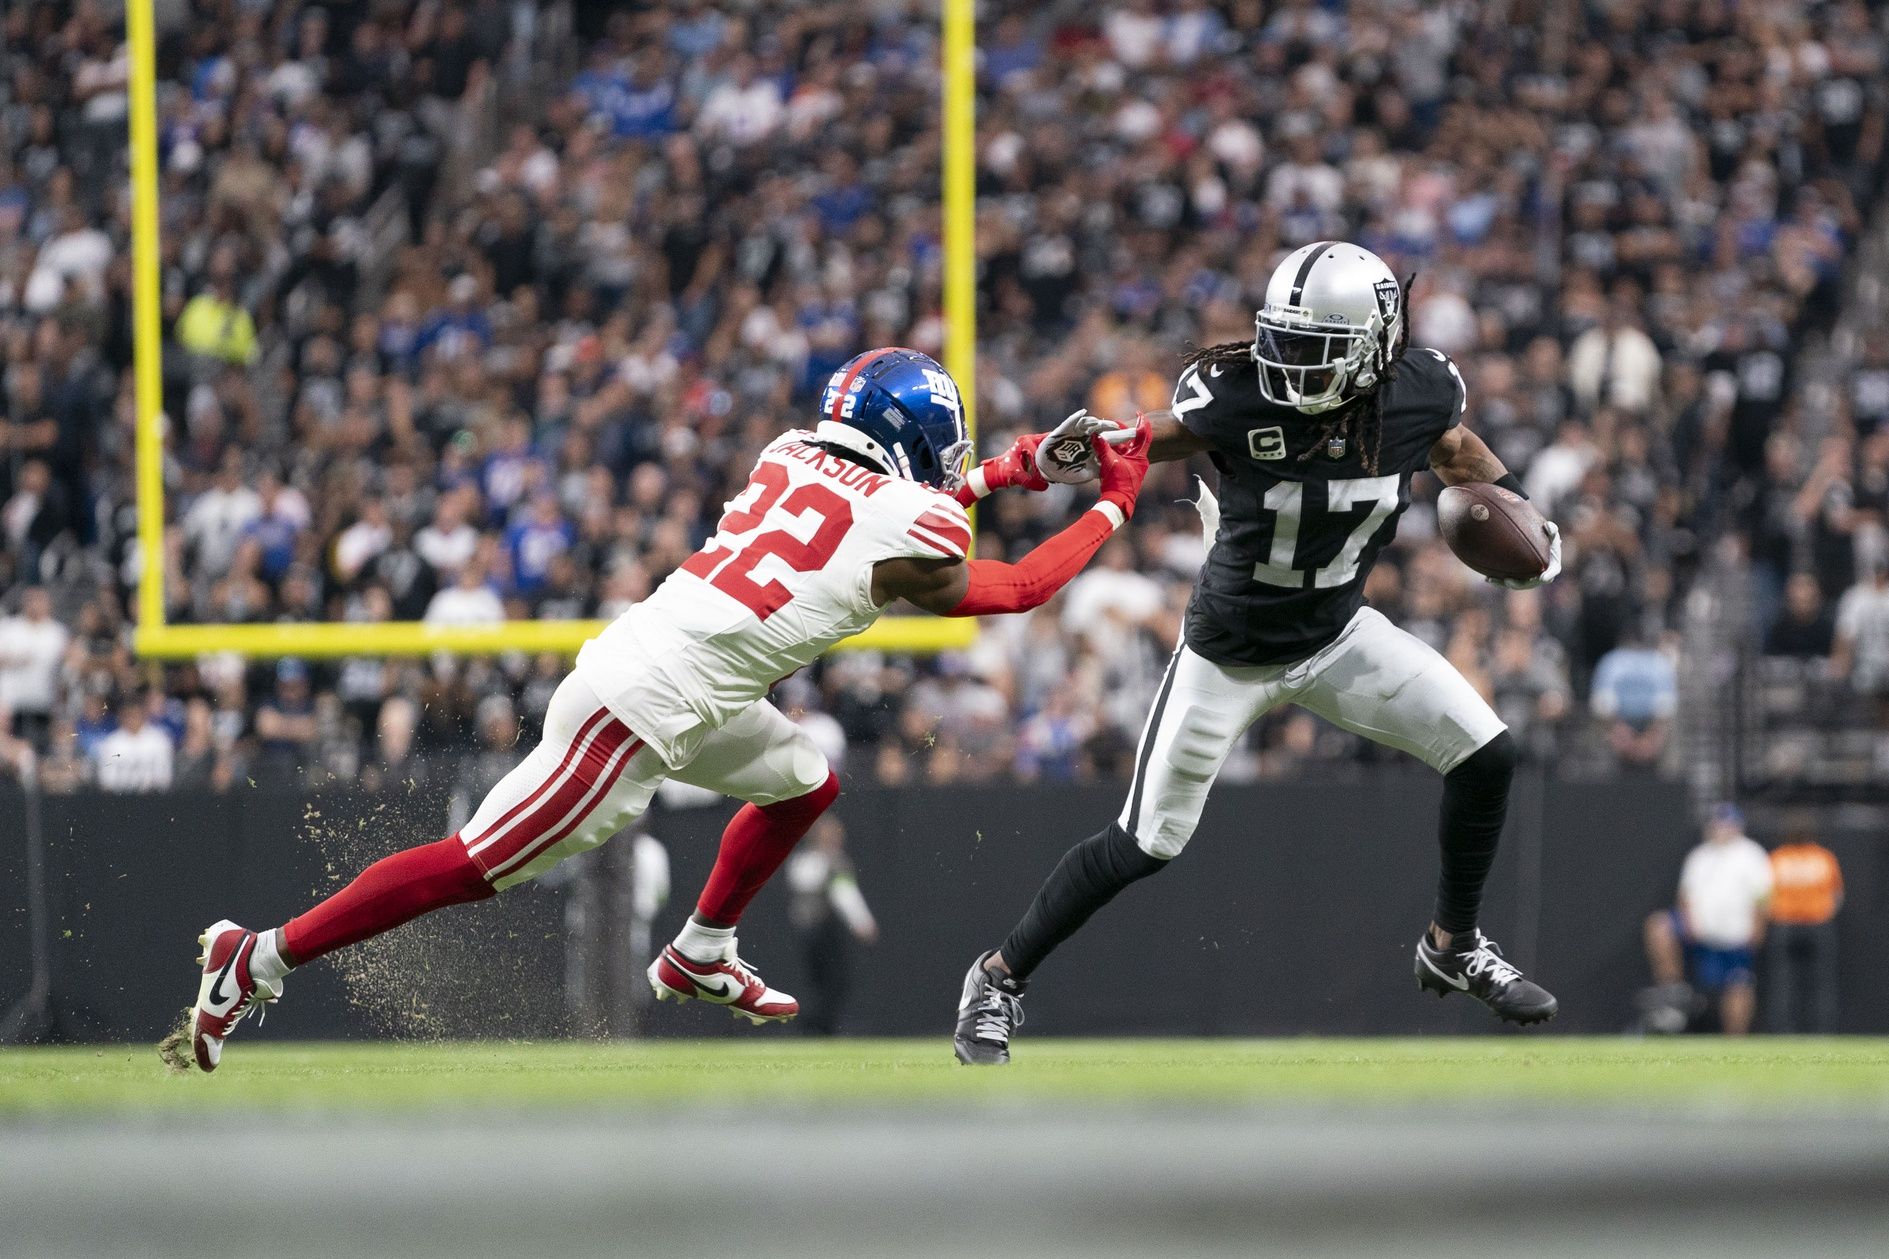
<point x="147" y="363"/>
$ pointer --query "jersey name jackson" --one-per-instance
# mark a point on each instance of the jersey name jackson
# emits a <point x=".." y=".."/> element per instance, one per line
<point x="1302" y="519"/>
<point x="787" y="575"/>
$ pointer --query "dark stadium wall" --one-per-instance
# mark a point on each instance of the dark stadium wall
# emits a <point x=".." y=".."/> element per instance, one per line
<point x="1293" y="912"/>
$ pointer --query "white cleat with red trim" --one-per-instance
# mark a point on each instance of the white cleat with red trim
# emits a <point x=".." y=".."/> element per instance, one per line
<point x="228" y="993"/>
<point x="727" y="981"/>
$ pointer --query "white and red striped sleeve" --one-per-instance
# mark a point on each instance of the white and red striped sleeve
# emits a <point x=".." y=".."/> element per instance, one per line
<point x="941" y="530"/>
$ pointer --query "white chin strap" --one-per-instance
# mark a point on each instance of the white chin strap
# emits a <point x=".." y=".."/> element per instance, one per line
<point x="850" y="438"/>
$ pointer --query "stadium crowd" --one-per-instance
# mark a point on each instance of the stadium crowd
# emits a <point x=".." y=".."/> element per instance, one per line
<point x="1623" y="218"/>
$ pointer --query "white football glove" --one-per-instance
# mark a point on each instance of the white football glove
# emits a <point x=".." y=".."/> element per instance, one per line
<point x="1548" y="574"/>
<point x="1065" y="456"/>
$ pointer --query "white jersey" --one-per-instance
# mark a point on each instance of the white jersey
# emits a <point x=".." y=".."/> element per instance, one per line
<point x="1724" y="885"/>
<point x="787" y="575"/>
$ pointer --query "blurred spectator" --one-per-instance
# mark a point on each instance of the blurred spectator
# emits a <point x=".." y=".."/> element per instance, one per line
<point x="286" y="728"/>
<point x="536" y="541"/>
<point x="830" y="914"/>
<point x="220" y="516"/>
<point x="468" y="601"/>
<point x="1636" y="691"/>
<point x="1805" y="629"/>
<point x="1529" y="684"/>
<point x="1050" y="744"/>
<point x="1615" y="364"/>
<point x="1710" y="936"/>
<point x="135" y="757"/>
<point x="203" y="761"/>
<point x="1801" y="953"/>
<point x="496" y="756"/>
<point x="799" y="699"/>
<point x="214" y="326"/>
<point x="32" y="649"/>
<point x="35" y="516"/>
<point x="1861" y="654"/>
<point x="395" y="729"/>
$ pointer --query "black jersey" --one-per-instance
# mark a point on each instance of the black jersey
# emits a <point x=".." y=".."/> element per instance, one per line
<point x="1298" y="535"/>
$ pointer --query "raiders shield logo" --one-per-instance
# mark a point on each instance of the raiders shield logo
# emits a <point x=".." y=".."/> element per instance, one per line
<point x="1390" y="295"/>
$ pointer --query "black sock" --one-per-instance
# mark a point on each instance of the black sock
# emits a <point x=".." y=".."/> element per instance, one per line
<point x="1087" y="878"/>
<point x="1475" y="802"/>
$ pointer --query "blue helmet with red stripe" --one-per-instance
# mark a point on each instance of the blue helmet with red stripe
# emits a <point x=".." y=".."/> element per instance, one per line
<point x="901" y="410"/>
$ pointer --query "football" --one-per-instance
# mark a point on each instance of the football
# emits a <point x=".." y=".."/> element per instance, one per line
<point x="1494" y="531"/>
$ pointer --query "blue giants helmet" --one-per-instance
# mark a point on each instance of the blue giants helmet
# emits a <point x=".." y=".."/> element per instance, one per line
<point x="901" y="410"/>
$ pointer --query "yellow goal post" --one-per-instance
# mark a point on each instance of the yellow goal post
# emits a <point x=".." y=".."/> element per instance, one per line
<point x="155" y="638"/>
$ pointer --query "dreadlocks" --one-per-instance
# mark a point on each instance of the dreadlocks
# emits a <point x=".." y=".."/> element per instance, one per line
<point x="1226" y="354"/>
<point x="1371" y="410"/>
<point x="1366" y="410"/>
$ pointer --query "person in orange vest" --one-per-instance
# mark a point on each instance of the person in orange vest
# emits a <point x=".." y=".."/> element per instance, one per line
<point x="1801" y="959"/>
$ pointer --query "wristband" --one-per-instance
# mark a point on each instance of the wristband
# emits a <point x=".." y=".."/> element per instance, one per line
<point x="979" y="483"/>
<point x="1113" y="513"/>
<point x="1512" y="483"/>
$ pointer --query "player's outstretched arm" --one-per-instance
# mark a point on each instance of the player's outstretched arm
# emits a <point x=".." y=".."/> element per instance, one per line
<point x="982" y="587"/>
<point x="1462" y="458"/>
<point x="1064" y="454"/>
<point x="1169" y="439"/>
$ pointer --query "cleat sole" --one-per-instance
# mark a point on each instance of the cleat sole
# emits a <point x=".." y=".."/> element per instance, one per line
<point x="1529" y="1018"/>
<point x="971" y="1058"/>
<point x="759" y="1019"/>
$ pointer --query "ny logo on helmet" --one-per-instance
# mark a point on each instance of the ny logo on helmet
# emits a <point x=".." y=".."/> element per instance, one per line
<point x="944" y="392"/>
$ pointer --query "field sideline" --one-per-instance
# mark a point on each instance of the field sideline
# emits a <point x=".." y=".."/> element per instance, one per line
<point x="1760" y="1072"/>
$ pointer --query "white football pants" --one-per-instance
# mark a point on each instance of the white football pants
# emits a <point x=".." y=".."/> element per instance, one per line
<point x="591" y="777"/>
<point x="1373" y="679"/>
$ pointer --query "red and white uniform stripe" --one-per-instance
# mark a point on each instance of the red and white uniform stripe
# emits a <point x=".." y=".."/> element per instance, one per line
<point x="587" y="768"/>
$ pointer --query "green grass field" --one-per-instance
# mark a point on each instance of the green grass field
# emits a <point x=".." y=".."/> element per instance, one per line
<point x="1757" y="1073"/>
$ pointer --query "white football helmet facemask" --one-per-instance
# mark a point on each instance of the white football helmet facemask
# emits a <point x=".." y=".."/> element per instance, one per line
<point x="1333" y="317"/>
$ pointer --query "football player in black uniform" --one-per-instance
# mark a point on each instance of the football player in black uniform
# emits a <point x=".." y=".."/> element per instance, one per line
<point x="1316" y="429"/>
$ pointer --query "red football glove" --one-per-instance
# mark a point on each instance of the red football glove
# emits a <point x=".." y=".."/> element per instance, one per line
<point x="1016" y="467"/>
<point x="1124" y="466"/>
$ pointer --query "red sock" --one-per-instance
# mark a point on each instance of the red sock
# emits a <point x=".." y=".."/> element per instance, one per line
<point x="753" y="847"/>
<point x="386" y="894"/>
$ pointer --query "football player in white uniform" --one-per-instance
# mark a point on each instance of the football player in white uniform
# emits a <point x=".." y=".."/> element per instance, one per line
<point x="834" y="525"/>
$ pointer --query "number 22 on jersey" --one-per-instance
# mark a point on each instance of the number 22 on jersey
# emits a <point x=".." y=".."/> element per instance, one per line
<point x="1376" y="496"/>
<point x="731" y="571"/>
